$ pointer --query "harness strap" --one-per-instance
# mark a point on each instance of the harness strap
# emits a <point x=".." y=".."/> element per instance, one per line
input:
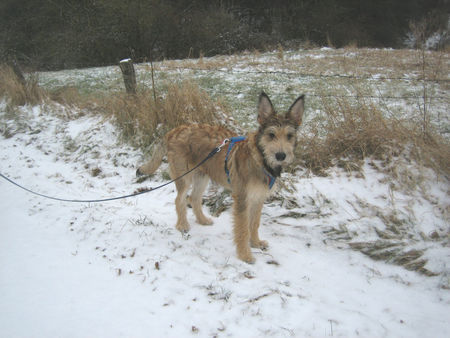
<point x="232" y="141"/>
<point x="270" y="179"/>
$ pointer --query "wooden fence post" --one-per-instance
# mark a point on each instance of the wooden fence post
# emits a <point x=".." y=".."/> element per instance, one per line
<point x="129" y="75"/>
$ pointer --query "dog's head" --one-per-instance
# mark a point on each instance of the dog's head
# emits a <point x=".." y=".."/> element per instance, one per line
<point x="277" y="135"/>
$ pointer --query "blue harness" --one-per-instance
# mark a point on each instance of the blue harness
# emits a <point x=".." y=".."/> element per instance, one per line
<point x="233" y="141"/>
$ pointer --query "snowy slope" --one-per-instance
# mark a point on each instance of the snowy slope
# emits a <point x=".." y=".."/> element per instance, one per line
<point x="120" y="269"/>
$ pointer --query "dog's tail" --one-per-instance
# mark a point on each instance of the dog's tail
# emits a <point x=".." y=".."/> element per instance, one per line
<point x="159" y="150"/>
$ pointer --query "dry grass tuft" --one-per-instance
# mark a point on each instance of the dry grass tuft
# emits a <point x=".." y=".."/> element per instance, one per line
<point x="19" y="91"/>
<point x="142" y="120"/>
<point x="68" y="96"/>
<point x="395" y="253"/>
<point x="350" y="132"/>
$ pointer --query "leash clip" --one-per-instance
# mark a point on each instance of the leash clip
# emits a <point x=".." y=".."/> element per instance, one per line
<point x="224" y="143"/>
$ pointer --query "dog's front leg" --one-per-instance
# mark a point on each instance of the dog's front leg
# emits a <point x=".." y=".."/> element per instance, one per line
<point x="255" y="209"/>
<point x="241" y="228"/>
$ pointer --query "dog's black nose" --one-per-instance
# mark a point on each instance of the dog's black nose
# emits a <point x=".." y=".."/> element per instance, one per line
<point x="280" y="156"/>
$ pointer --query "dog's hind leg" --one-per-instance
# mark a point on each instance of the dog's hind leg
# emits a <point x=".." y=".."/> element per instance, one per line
<point x="181" y="204"/>
<point x="200" y="182"/>
<point x="178" y="165"/>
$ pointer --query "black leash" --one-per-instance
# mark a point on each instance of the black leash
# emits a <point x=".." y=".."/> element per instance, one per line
<point x="143" y="191"/>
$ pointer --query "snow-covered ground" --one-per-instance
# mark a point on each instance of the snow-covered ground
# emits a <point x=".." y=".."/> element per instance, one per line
<point x="120" y="269"/>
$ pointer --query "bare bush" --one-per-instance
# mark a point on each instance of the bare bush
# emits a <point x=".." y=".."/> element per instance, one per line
<point x="350" y="132"/>
<point x="142" y="120"/>
<point x="19" y="91"/>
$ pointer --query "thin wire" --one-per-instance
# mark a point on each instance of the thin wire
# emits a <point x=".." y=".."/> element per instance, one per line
<point x="294" y="73"/>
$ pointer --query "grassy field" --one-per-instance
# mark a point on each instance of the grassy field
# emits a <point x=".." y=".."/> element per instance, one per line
<point x="390" y="79"/>
<point x="360" y="102"/>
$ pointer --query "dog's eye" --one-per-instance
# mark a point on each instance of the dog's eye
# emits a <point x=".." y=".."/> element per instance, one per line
<point x="290" y="136"/>
<point x="272" y="136"/>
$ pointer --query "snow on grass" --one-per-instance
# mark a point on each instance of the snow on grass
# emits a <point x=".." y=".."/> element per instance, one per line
<point x="121" y="269"/>
<point x="391" y="79"/>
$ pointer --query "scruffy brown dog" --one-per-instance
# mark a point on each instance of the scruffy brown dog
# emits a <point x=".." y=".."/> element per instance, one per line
<point x="248" y="167"/>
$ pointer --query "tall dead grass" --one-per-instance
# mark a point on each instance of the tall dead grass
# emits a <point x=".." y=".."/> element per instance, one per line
<point x="350" y="132"/>
<point x="347" y="133"/>
<point x="142" y="119"/>
<point x="19" y="91"/>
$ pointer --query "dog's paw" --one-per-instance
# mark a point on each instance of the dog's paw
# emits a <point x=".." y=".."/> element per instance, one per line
<point x="139" y="172"/>
<point x="140" y="176"/>
<point x="246" y="257"/>
<point x="183" y="227"/>
<point x="250" y="260"/>
<point x="263" y="245"/>
<point x="205" y="221"/>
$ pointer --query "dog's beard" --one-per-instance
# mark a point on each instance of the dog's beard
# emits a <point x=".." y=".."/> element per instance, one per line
<point x="274" y="170"/>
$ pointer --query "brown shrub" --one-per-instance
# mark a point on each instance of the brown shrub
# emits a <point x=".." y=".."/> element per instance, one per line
<point x="141" y="119"/>
<point x="350" y="132"/>
<point x="19" y="91"/>
<point x="67" y="96"/>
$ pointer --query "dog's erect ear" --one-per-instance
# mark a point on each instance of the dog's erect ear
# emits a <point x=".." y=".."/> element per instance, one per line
<point x="265" y="108"/>
<point x="295" y="112"/>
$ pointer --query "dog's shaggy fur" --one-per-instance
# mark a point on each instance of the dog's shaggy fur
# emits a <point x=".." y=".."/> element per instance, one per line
<point x="266" y="151"/>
